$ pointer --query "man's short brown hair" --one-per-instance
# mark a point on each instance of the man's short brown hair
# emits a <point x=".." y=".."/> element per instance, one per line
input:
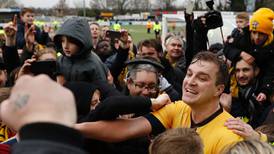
<point x="151" y="43"/>
<point x="177" y="141"/>
<point x="222" y="74"/>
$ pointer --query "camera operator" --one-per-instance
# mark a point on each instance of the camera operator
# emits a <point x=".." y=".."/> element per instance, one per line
<point x="196" y="29"/>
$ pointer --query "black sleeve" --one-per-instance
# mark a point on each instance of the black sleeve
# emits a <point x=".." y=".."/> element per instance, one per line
<point x="156" y="125"/>
<point x="117" y="62"/>
<point x="44" y="38"/>
<point x="236" y="44"/>
<point x="107" y="90"/>
<point x="45" y="138"/>
<point x="11" y="58"/>
<point x="173" y="94"/>
<point x="196" y="37"/>
<point x="199" y="36"/>
<point x="41" y="36"/>
<point x="20" y="36"/>
<point x="189" y="38"/>
<point x="112" y="107"/>
<point x="267" y="76"/>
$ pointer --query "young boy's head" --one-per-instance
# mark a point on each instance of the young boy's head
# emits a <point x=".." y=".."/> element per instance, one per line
<point x="178" y="140"/>
<point x="242" y="20"/>
<point x="27" y="15"/>
<point x="70" y="46"/>
<point x="74" y="38"/>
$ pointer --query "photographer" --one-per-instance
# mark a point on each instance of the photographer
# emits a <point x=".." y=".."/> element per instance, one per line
<point x="43" y="62"/>
<point x="196" y="29"/>
<point x="116" y="62"/>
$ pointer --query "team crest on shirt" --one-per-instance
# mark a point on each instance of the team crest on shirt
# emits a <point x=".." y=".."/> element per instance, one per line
<point x="254" y="25"/>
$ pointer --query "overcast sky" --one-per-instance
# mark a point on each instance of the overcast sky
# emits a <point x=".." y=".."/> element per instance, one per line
<point x="51" y="3"/>
<point x="43" y="3"/>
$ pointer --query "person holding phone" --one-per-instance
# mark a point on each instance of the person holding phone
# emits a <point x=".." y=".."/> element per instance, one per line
<point x="123" y="50"/>
<point x="45" y="58"/>
<point x="43" y="62"/>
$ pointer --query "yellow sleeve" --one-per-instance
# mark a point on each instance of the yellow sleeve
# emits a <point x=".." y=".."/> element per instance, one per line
<point x="226" y="142"/>
<point x="167" y="114"/>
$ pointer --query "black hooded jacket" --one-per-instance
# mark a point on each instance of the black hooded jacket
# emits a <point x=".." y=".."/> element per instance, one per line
<point x="83" y="93"/>
<point x="85" y="65"/>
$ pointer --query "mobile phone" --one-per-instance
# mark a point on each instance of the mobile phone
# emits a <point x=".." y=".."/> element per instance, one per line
<point x="43" y="67"/>
<point x="113" y="34"/>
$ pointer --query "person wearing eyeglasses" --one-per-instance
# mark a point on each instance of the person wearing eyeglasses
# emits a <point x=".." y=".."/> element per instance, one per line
<point x="144" y="78"/>
<point x="143" y="82"/>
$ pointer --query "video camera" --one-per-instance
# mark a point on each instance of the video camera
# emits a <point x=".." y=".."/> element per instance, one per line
<point x="213" y="17"/>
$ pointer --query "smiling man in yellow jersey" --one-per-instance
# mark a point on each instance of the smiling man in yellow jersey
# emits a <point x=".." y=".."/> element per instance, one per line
<point x="199" y="109"/>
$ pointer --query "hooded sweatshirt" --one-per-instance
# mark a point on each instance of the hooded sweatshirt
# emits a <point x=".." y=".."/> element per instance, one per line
<point x="85" y="65"/>
<point x="82" y="93"/>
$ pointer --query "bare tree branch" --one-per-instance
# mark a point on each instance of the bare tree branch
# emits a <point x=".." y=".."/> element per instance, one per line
<point x="61" y="7"/>
<point x="7" y="3"/>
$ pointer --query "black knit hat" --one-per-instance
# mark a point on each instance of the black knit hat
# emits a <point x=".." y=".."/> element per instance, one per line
<point x="146" y="60"/>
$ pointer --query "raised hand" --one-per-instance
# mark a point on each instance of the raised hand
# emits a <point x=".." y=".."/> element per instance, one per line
<point x="247" y="57"/>
<point x="25" y="69"/>
<point x="241" y="128"/>
<point x="46" y="28"/>
<point x="261" y="97"/>
<point x="160" y="102"/>
<point x="30" y="36"/>
<point x="124" y="43"/>
<point x="10" y="30"/>
<point x="30" y="33"/>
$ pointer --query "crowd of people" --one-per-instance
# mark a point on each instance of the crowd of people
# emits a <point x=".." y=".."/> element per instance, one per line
<point x="90" y="89"/>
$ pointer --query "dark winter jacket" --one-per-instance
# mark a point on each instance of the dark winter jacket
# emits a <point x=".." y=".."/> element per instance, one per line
<point x="173" y="75"/>
<point x="46" y="138"/>
<point x="196" y="37"/>
<point x="83" y="93"/>
<point x="110" y="109"/>
<point x="11" y="58"/>
<point x="85" y="65"/>
<point x="246" y="105"/>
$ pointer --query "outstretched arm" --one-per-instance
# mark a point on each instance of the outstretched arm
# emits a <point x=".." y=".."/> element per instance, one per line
<point x="115" y="131"/>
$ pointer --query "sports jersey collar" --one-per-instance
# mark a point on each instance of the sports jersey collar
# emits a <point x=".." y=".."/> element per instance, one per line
<point x="207" y="120"/>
